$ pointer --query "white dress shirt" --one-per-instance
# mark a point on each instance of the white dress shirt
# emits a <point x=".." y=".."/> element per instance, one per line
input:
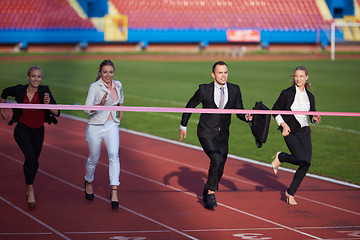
<point x="217" y="94"/>
<point x="301" y="103"/>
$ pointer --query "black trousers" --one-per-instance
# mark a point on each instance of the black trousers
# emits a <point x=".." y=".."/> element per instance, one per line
<point x="299" y="144"/>
<point x="217" y="150"/>
<point x="30" y="141"/>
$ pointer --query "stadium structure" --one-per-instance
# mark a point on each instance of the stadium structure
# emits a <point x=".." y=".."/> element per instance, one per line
<point x="193" y="25"/>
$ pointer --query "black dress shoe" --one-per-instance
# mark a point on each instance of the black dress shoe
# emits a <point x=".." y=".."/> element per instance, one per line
<point x="204" y="197"/>
<point x="114" y="204"/>
<point x="88" y="196"/>
<point x="205" y="193"/>
<point x="210" y="201"/>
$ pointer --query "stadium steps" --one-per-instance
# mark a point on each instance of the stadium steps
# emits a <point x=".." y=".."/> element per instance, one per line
<point x="99" y="22"/>
<point x="324" y="10"/>
<point x="76" y="6"/>
<point x="357" y="10"/>
<point x="351" y="33"/>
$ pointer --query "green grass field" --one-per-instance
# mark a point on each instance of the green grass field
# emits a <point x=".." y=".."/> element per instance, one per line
<point x="336" y="87"/>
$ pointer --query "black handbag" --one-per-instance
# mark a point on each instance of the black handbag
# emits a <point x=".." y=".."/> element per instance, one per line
<point x="260" y="124"/>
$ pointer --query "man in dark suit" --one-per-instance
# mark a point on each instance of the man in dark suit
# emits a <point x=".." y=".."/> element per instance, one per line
<point x="213" y="129"/>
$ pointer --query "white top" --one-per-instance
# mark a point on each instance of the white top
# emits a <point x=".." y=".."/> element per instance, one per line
<point x="96" y="92"/>
<point x="217" y="94"/>
<point x="301" y="103"/>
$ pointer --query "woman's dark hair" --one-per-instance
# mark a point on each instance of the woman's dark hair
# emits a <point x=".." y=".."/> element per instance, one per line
<point x="106" y="62"/>
<point x="34" y="68"/>
<point x="302" y="68"/>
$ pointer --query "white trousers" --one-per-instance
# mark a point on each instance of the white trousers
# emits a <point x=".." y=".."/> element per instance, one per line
<point x="94" y="135"/>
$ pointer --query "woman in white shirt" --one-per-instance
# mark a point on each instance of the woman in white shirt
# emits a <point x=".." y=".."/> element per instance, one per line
<point x="295" y="129"/>
<point x="104" y="126"/>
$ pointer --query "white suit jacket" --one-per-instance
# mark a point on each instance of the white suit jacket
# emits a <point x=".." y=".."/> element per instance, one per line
<point x="96" y="92"/>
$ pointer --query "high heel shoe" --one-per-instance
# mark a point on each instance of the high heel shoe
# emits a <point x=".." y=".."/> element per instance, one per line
<point x="31" y="205"/>
<point x="114" y="204"/>
<point x="290" y="199"/>
<point x="88" y="196"/>
<point x="276" y="163"/>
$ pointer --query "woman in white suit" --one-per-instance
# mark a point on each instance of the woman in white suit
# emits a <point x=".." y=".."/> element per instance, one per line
<point x="104" y="126"/>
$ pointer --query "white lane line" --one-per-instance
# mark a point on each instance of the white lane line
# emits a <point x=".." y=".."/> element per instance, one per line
<point x="337" y="128"/>
<point x="193" y="195"/>
<point x="330" y="227"/>
<point x="205" y="170"/>
<point x="232" y="229"/>
<point x="200" y="149"/>
<point x="32" y="217"/>
<point x="328" y="205"/>
<point x="235" y="179"/>
<point x="198" y="196"/>
<point x="100" y="197"/>
<point x="14" y="234"/>
<point x="121" y="232"/>
<point x="232" y="156"/>
<point x="265" y="229"/>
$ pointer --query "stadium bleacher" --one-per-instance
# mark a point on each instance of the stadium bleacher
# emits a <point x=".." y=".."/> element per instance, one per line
<point x="168" y="21"/>
<point x="39" y="15"/>
<point x="262" y="14"/>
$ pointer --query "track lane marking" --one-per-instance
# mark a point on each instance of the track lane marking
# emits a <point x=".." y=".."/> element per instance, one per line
<point x="115" y="232"/>
<point x="234" y="157"/>
<point x="236" y="179"/>
<point x="15" y="234"/>
<point x="191" y="194"/>
<point x="32" y="217"/>
<point x="194" y="167"/>
<point x="97" y="196"/>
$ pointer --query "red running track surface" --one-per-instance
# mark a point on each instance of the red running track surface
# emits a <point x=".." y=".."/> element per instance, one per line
<point x="160" y="195"/>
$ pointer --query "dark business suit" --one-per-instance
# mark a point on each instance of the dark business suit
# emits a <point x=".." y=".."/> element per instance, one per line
<point x="299" y="139"/>
<point x="213" y="129"/>
<point x="30" y="140"/>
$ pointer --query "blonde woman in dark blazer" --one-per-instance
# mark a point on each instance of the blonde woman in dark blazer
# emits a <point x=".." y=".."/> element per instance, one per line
<point x="295" y="129"/>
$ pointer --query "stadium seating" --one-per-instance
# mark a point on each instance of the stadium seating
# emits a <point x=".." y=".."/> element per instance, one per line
<point x="170" y="14"/>
<point x="199" y="14"/>
<point x="40" y="15"/>
<point x="166" y="21"/>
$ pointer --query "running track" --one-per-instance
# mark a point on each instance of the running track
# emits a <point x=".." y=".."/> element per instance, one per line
<point x="159" y="195"/>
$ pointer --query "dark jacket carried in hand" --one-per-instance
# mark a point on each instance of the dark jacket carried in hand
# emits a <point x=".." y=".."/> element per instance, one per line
<point x="19" y="92"/>
<point x="260" y="124"/>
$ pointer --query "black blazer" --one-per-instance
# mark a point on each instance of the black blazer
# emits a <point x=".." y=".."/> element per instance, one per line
<point x="19" y="92"/>
<point x="285" y="101"/>
<point x="210" y="124"/>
